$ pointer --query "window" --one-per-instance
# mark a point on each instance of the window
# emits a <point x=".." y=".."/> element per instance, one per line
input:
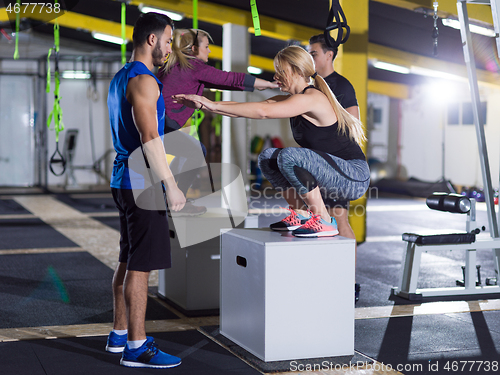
<point x="461" y="113"/>
<point x="454" y="114"/>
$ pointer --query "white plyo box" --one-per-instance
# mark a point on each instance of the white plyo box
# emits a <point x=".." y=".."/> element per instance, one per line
<point x="193" y="281"/>
<point x="284" y="297"/>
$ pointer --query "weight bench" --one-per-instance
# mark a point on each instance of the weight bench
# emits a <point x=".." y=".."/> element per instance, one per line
<point x="416" y="244"/>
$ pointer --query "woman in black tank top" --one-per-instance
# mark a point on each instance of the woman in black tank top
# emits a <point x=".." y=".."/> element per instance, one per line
<point x="329" y="163"/>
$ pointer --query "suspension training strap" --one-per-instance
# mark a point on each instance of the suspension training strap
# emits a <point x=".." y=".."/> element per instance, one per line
<point x="124" y="34"/>
<point x="196" y="120"/>
<point x="255" y="17"/>
<point x="18" y="21"/>
<point x="195" y="14"/>
<point x="56" y="112"/>
<point x="336" y="20"/>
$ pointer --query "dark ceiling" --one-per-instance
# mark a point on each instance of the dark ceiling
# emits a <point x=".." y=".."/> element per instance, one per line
<point x="390" y="26"/>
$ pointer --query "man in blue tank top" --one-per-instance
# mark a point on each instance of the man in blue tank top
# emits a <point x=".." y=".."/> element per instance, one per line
<point x="323" y="57"/>
<point x="137" y="115"/>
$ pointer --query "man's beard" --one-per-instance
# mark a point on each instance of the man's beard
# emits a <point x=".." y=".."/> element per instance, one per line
<point x="157" y="55"/>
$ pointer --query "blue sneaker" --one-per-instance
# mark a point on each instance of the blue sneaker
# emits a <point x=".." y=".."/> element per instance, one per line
<point x="116" y="343"/>
<point x="148" y="355"/>
<point x="317" y="227"/>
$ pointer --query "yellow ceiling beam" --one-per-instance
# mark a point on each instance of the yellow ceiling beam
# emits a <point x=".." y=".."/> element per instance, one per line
<point x="254" y="60"/>
<point x="220" y="14"/>
<point x="394" y="90"/>
<point x="83" y="22"/>
<point x="262" y="63"/>
<point x="446" y="8"/>
<point x="4" y="16"/>
<point x="79" y="21"/>
<point x="406" y="59"/>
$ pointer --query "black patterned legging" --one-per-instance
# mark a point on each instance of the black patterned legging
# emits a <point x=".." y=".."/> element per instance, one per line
<point x="305" y="169"/>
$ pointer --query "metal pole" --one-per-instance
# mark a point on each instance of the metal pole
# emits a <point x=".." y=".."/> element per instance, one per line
<point x="481" y="139"/>
<point x="495" y="12"/>
<point x="476" y="103"/>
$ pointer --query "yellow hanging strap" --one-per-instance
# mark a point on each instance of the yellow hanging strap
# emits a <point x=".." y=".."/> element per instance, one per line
<point x="124" y="34"/>
<point x="255" y="17"/>
<point x="56" y="113"/>
<point x="18" y="20"/>
<point x="195" y="14"/>
<point x="196" y="120"/>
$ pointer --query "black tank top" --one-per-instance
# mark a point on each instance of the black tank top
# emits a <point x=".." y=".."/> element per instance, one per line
<point x="324" y="138"/>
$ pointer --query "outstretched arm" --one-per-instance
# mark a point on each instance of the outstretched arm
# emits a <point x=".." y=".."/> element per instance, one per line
<point x="277" y="107"/>
<point x="262" y="84"/>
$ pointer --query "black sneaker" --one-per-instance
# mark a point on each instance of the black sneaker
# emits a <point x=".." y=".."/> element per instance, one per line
<point x="357" y="288"/>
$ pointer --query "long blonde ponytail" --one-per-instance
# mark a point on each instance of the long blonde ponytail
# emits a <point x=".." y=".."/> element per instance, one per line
<point x="182" y="48"/>
<point x="346" y="121"/>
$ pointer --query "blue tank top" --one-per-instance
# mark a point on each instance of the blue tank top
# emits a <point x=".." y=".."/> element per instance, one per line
<point x="125" y="136"/>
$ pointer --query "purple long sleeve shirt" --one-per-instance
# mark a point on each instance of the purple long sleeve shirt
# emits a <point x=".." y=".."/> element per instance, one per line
<point x="193" y="81"/>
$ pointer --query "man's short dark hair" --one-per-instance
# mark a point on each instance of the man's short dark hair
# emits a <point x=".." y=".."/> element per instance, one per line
<point x="147" y="24"/>
<point x="320" y="38"/>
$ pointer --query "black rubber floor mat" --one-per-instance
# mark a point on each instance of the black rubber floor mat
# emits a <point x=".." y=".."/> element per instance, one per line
<point x="11" y="207"/>
<point x="59" y="289"/>
<point x="315" y="364"/>
<point x="432" y="344"/>
<point x="91" y="204"/>
<point x="86" y="355"/>
<point x="30" y="234"/>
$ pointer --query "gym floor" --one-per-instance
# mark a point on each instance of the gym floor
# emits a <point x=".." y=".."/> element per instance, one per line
<point x="58" y="251"/>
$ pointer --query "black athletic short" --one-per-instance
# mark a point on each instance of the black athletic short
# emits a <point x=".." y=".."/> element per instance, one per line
<point x="144" y="234"/>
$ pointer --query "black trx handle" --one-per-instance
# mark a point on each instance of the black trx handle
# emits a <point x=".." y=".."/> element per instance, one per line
<point x="336" y="20"/>
<point x="57" y="158"/>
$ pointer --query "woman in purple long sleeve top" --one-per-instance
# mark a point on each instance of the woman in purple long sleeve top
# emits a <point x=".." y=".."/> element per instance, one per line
<point x="186" y="72"/>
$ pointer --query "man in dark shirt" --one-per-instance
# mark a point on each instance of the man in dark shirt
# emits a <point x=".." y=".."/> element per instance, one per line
<point x="323" y="57"/>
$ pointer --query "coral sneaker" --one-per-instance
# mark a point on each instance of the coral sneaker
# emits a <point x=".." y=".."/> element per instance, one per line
<point x="317" y="227"/>
<point x="148" y="355"/>
<point x="291" y="222"/>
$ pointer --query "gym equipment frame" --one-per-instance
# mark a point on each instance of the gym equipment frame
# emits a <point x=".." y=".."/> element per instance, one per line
<point x="411" y="260"/>
<point x="417" y="244"/>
